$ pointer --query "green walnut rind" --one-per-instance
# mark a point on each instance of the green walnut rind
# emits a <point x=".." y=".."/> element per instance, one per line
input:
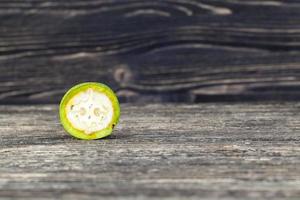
<point x="102" y="88"/>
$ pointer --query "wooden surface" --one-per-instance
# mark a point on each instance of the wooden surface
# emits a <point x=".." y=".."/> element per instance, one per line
<point x="212" y="151"/>
<point x="159" y="50"/>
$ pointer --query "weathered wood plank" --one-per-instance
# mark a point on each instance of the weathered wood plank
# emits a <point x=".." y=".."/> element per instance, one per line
<point x="240" y="151"/>
<point x="168" y="50"/>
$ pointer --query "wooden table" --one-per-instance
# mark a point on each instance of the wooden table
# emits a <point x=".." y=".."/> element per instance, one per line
<point x="172" y="151"/>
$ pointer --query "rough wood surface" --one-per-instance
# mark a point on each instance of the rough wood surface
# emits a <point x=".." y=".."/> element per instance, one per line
<point x="159" y="50"/>
<point x="241" y="151"/>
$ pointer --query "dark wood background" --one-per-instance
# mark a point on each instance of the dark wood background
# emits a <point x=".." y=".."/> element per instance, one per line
<point x="151" y="51"/>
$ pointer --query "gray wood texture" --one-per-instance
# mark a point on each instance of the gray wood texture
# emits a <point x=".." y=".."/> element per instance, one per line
<point x="207" y="151"/>
<point x="159" y="50"/>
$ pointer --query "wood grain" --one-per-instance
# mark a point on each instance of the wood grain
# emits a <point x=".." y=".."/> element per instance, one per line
<point x="161" y="50"/>
<point x="173" y="151"/>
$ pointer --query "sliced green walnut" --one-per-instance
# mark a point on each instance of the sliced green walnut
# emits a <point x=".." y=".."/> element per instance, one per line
<point x="89" y="111"/>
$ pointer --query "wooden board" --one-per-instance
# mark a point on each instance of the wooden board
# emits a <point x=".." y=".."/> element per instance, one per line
<point x="151" y="51"/>
<point x="240" y="151"/>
